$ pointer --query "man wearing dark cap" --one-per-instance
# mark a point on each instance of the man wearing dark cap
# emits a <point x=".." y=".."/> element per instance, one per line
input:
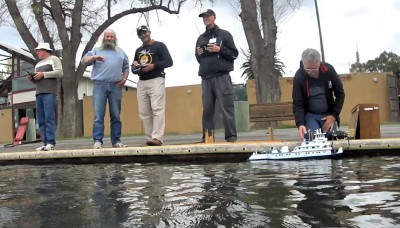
<point x="215" y="52"/>
<point x="149" y="63"/>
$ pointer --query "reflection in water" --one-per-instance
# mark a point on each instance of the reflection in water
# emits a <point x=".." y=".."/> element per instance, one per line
<point x="358" y="192"/>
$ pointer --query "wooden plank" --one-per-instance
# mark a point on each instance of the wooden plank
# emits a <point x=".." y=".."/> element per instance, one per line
<point x="267" y="119"/>
<point x="271" y="112"/>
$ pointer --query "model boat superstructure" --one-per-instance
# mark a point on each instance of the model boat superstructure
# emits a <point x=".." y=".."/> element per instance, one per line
<point x="318" y="147"/>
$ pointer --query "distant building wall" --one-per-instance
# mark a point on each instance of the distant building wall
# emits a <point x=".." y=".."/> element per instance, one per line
<point x="85" y="88"/>
<point x="129" y="115"/>
<point x="6" y="135"/>
<point x="183" y="112"/>
<point x="359" y="89"/>
<point x="24" y="97"/>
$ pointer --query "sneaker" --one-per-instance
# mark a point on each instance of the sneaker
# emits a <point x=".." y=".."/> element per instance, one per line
<point x="97" y="145"/>
<point x="154" y="142"/>
<point x="41" y="148"/>
<point x="119" y="145"/>
<point x="48" y="147"/>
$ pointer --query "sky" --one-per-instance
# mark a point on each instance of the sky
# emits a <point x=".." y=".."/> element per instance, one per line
<point x="347" y="25"/>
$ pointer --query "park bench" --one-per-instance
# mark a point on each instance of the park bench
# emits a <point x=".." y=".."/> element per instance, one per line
<point x="271" y="112"/>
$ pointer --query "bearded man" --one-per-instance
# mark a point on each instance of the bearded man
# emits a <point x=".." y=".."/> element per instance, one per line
<point x="109" y="74"/>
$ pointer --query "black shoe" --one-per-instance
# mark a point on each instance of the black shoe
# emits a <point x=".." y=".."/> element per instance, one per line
<point x="231" y="139"/>
<point x="201" y="141"/>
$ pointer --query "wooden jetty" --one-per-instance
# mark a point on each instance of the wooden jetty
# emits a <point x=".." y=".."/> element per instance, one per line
<point x="217" y="152"/>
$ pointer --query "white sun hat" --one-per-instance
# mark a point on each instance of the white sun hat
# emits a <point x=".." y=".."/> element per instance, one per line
<point x="45" y="46"/>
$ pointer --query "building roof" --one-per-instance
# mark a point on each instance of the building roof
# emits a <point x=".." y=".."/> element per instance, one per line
<point x="24" y="55"/>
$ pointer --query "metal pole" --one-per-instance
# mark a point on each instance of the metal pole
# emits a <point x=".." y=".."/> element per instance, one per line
<point x="320" y="33"/>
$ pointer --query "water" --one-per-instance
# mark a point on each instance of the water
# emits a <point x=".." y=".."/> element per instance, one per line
<point x="354" y="192"/>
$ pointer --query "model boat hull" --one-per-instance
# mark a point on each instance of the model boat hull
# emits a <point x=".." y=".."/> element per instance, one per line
<point x="296" y="155"/>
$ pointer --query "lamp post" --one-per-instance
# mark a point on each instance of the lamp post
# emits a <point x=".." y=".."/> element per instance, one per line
<point x="320" y="33"/>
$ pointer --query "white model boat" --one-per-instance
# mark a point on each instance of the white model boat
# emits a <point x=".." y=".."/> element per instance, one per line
<point x="319" y="147"/>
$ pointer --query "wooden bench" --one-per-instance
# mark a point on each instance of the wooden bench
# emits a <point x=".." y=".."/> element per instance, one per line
<point x="271" y="112"/>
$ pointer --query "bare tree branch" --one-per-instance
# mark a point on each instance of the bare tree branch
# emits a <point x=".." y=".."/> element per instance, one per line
<point x="76" y="35"/>
<point x="3" y="12"/>
<point x="21" y="26"/>
<point x="37" y="8"/>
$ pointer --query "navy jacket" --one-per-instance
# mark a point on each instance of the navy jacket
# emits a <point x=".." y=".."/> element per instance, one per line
<point x="216" y="64"/>
<point x="333" y="87"/>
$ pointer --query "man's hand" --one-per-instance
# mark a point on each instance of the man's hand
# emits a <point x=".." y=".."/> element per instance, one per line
<point x="302" y="132"/>
<point x="329" y="122"/>
<point x="135" y="63"/>
<point x="213" y="48"/>
<point x="122" y="82"/>
<point x="30" y="78"/>
<point x="99" y="58"/>
<point x="38" y="76"/>
<point x="148" y="67"/>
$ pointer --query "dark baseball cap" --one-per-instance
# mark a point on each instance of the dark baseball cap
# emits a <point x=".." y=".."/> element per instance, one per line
<point x="142" y="28"/>
<point x="207" y="13"/>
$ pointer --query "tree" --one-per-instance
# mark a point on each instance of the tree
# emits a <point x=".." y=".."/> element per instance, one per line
<point x="65" y="24"/>
<point x="248" y="73"/>
<point x="3" y="12"/>
<point x="260" y="27"/>
<point x="386" y="62"/>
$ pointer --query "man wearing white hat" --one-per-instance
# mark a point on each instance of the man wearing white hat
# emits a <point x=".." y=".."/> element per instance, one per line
<point x="47" y="72"/>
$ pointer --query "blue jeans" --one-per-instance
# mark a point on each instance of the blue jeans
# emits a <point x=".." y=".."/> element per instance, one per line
<point x="46" y="104"/>
<point x="101" y="92"/>
<point x="314" y="122"/>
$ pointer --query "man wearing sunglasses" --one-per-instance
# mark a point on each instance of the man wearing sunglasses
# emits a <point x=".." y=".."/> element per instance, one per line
<point x="317" y="94"/>
<point x="151" y="58"/>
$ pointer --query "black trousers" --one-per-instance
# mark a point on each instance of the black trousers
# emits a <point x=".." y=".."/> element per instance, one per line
<point x="219" y="89"/>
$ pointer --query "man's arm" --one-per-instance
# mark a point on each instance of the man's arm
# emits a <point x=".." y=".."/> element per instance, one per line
<point x="228" y="49"/>
<point x="198" y="50"/>
<point x="125" y="66"/>
<point x="298" y="100"/>
<point x="166" y="60"/>
<point x="135" y="62"/>
<point x="91" y="57"/>
<point x="57" y="69"/>
<point x="339" y="94"/>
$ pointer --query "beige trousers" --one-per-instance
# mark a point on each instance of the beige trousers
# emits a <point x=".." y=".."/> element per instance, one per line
<point x="151" y="102"/>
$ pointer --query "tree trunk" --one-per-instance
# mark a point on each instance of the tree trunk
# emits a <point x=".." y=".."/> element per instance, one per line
<point x="70" y="110"/>
<point x="262" y="48"/>
<point x="270" y="29"/>
<point x="70" y="113"/>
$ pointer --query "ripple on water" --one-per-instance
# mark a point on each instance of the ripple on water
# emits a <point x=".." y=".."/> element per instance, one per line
<point x="315" y="193"/>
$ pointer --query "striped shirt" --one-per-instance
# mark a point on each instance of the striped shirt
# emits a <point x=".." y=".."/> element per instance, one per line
<point x="52" y="70"/>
